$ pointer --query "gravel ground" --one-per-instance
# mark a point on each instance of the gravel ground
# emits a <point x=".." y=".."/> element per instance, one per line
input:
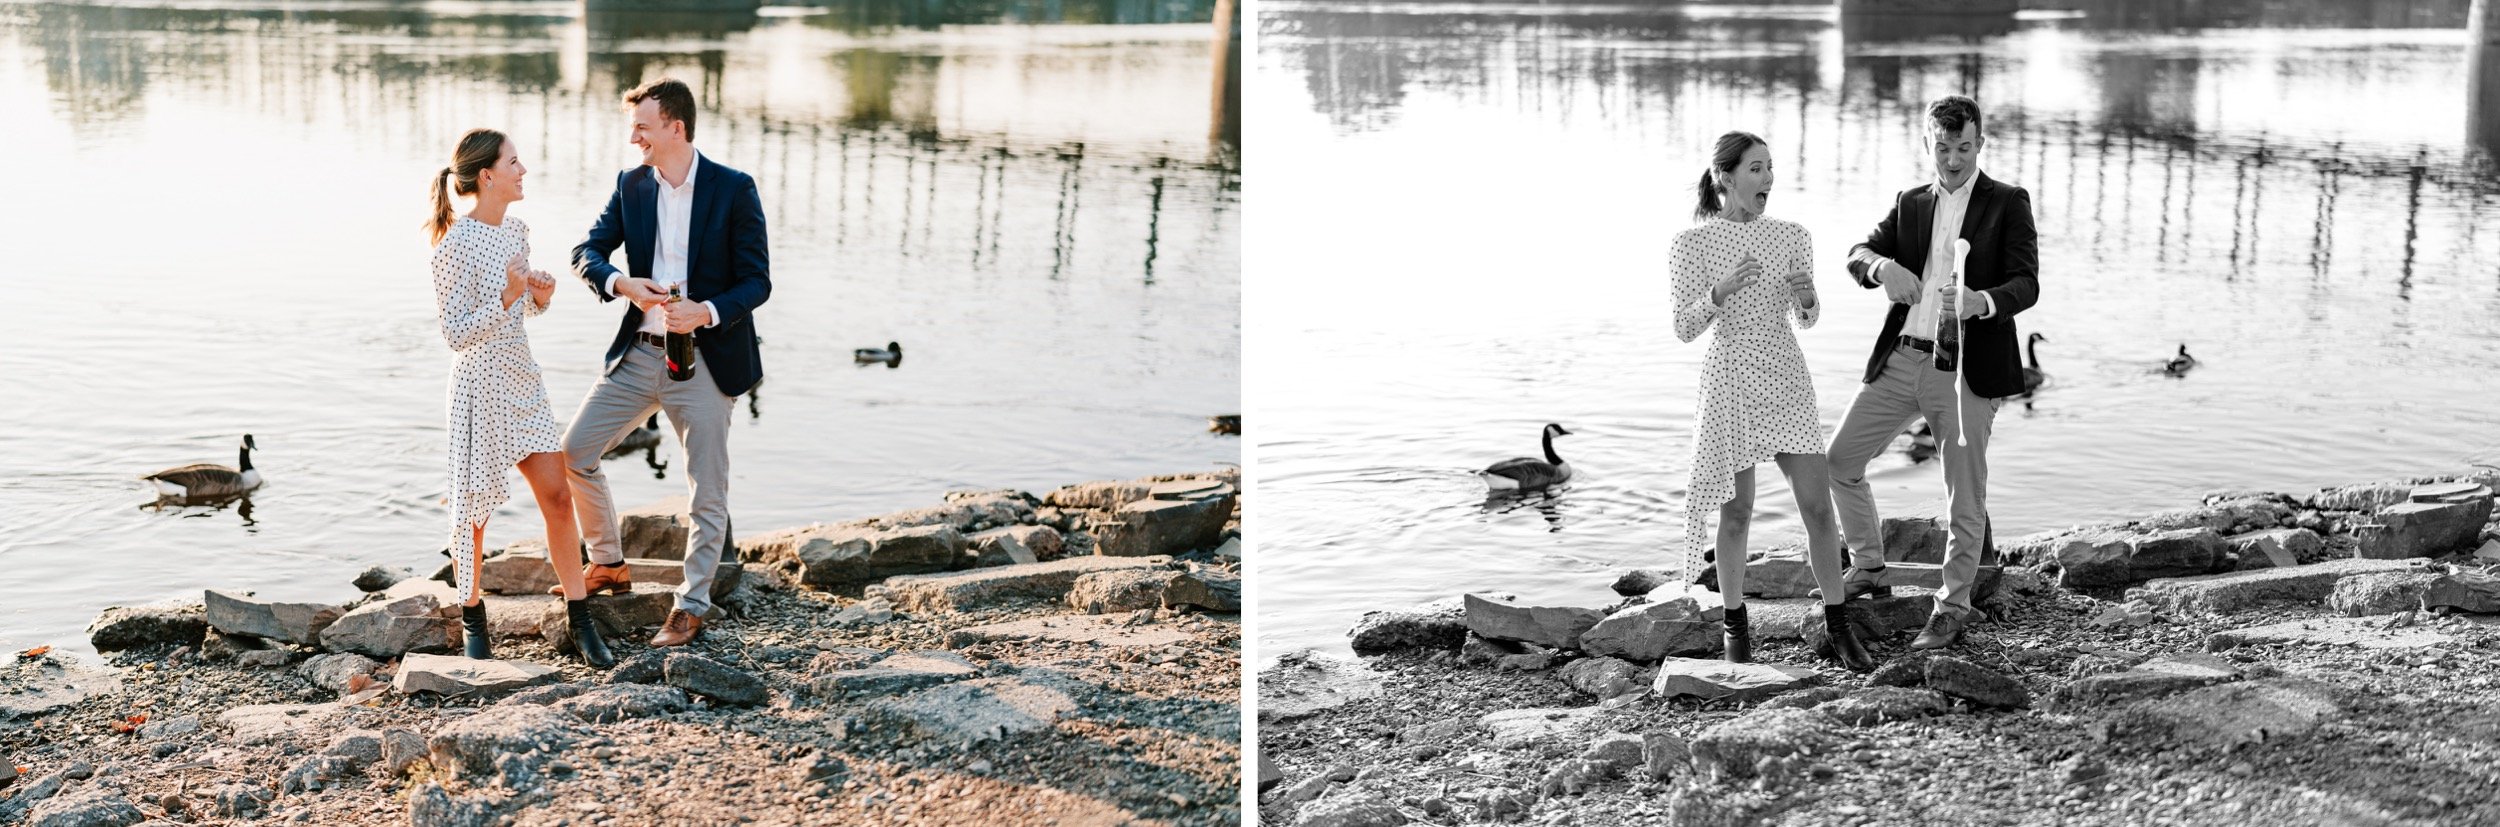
<point x="2414" y="740"/>
<point x="1153" y="737"/>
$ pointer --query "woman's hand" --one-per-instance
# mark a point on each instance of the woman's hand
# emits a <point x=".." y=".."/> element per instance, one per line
<point x="516" y="278"/>
<point x="542" y="287"/>
<point x="1801" y="285"/>
<point x="1746" y="269"/>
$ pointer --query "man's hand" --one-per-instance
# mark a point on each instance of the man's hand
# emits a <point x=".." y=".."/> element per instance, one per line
<point x="1900" y="285"/>
<point x="644" y="293"/>
<point x="1963" y="303"/>
<point x="686" y="316"/>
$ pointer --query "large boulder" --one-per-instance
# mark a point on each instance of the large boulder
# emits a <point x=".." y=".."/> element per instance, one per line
<point x="1440" y="624"/>
<point x="1119" y="590"/>
<point x="656" y="531"/>
<point x="131" y="627"/>
<point x="2466" y="591"/>
<point x="1206" y="587"/>
<point x="1648" y="632"/>
<point x="1917" y="535"/>
<point x="2093" y="561"/>
<point x="2238" y="591"/>
<point x="2420" y="529"/>
<point x="1010" y="545"/>
<point x="1559" y="627"/>
<point x="1193" y="518"/>
<point x="849" y="556"/>
<point x="391" y="628"/>
<point x="1778" y="573"/>
<point x="471" y="745"/>
<point x="299" y="623"/>
<point x="1603" y="677"/>
<point x="2186" y="551"/>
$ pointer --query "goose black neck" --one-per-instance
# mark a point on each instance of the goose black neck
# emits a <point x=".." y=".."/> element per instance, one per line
<point x="1550" y="456"/>
<point x="2031" y="350"/>
<point x="243" y="461"/>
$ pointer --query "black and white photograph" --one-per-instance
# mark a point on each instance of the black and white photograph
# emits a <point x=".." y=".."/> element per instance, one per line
<point x="2072" y="412"/>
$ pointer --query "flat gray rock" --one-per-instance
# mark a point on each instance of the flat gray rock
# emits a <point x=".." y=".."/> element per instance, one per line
<point x="2234" y="592"/>
<point x="1743" y="746"/>
<point x="1440" y="624"/>
<point x="1883" y="704"/>
<point x="131" y="627"/>
<point x="896" y="674"/>
<point x="470" y="745"/>
<point x="2418" y="529"/>
<point x="1975" y="683"/>
<point x="1713" y="679"/>
<point x="460" y="676"/>
<point x="1311" y="683"/>
<point x="1558" y="627"/>
<point x="1127" y="590"/>
<point x="39" y="685"/>
<point x="277" y="723"/>
<point x="617" y="702"/>
<point x="391" y="628"/>
<point x="1519" y="727"/>
<point x="712" y="679"/>
<point x="236" y="614"/>
<point x="2466" y="591"/>
<point x="1604" y="677"/>
<point x="2386" y="592"/>
<point x="2364" y="632"/>
<point x="1651" y="631"/>
<point x="2230" y="714"/>
<point x="1097" y="630"/>
<point x="89" y="807"/>
<point x="990" y="587"/>
<point x="978" y="710"/>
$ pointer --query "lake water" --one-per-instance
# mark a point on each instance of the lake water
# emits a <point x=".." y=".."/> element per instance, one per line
<point x="1479" y="198"/>
<point x="214" y="216"/>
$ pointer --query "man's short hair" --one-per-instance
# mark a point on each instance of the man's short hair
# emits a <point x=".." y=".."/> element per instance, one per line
<point x="676" y="101"/>
<point x="1949" y="113"/>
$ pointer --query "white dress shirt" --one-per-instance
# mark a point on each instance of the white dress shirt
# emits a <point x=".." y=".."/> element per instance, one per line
<point x="1951" y="206"/>
<point x="675" y="206"/>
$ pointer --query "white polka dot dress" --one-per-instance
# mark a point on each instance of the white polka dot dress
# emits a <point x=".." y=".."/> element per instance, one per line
<point x="1757" y="400"/>
<point x="497" y="412"/>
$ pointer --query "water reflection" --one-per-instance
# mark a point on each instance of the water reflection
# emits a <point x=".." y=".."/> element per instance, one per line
<point x="2283" y="186"/>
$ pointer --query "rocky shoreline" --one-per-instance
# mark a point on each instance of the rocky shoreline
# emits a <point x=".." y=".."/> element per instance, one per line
<point x="2327" y="658"/>
<point x="1002" y="658"/>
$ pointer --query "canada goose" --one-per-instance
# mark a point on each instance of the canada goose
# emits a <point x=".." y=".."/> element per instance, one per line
<point x="209" y="480"/>
<point x="2180" y="365"/>
<point x="644" y="438"/>
<point x="1922" y="444"/>
<point x="1224" y="424"/>
<point x="1529" y="473"/>
<point x="891" y="354"/>
<point x="2032" y="377"/>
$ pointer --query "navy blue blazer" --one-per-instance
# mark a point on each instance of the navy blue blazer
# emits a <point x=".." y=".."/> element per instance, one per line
<point x="2004" y="263"/>
<point x="727" y="264"/>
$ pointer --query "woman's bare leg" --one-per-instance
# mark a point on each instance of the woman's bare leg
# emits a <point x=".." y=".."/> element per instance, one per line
<point x="477" y="564"/>
<point x="1735" y="524"/>
<point x="545" y="473"/>
<point x="1809" y="475"/>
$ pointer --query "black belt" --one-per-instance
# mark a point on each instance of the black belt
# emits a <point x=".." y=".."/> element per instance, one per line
<point x="652" y="339"/>
<point x="1918" y="344"/>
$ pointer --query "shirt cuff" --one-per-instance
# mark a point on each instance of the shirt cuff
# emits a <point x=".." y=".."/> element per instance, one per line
<point x="1992" y="305"/>
<point x="611" y="285"/>
<point x="708" y="308"/>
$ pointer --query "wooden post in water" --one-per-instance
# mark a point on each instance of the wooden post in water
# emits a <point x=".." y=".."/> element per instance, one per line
<point x="1225" y="125"/>
<point x="2482" y="78"/>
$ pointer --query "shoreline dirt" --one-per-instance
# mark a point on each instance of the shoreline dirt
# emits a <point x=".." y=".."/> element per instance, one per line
<point x="2179" y="706"/>
<point x="817" y="706"/>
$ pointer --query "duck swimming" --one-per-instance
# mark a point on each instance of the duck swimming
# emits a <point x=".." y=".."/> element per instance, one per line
<point x="1529" y="473"/>
<point x="207" y="480"/>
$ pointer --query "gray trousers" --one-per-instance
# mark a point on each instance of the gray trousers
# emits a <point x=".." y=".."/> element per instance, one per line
<point x="697" y="411"/>
<point x="1910" y="387"/>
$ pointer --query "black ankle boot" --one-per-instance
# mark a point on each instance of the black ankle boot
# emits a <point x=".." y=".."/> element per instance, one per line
<point x="1739" y="636"/>
<point x="473" y="627"/>
<point x="586" y="640"/>
<point x="1843" y="646"/>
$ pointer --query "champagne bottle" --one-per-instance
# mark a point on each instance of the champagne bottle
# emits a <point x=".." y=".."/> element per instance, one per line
<point x="1948" y="338"/>
<point x="680" y="350"/>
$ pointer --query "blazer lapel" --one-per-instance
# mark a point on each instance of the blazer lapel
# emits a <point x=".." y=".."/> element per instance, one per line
<point x="1981" y="186"/>
<point x="1921" y="231"/>
<point x="642" y="220"/>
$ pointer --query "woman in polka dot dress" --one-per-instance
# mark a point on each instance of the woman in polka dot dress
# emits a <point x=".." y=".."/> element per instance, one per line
<point x="498" y="416"/>
<point x="1757" y="400"/>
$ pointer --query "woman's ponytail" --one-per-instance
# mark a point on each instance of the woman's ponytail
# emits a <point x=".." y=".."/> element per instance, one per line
<point x="479" y="149"/>
<point x="440" y="222"/>
<point x="1708" y="205"/>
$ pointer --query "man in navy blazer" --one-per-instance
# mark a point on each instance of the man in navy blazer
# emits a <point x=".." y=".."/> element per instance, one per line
<point x="1912" y="260"/>
<point x="690" y="223"/>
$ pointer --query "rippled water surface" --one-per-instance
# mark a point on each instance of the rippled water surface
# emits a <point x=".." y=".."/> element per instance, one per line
<point x="214" y="225"/>
<point x="1479" y="198"/>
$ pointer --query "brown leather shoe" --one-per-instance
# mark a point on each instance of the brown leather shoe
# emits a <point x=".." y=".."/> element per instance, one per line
<point x="616" y="579"/>
<point x="679" y="630"/>
<point x="1944" y="628"/>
